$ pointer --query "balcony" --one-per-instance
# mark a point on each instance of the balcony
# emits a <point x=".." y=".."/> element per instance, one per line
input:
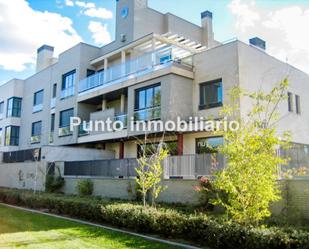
<point x="37" y="108"/>
<point x="64" y="131"/>
<point x="35" y="139"/>
<point x="152" y="113"/>
<point x="67" y="92"/>
<point x="175" y="167"/>
<point x="133" y="68"/>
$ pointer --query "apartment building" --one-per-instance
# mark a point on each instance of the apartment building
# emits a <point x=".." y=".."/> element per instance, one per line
<point x="159" y="66"/>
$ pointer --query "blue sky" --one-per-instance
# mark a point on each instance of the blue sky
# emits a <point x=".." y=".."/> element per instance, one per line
<point x="25" y="25"/>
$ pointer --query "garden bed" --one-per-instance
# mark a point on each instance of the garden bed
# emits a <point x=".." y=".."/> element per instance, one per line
<point x="167" y="222"/>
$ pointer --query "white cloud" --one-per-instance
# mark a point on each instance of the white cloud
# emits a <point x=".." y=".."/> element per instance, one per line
<point x="84" y="4"/>
<point x="23" y="30"/>
<point x="284" y="29"/>
<point x="99" y="13"/>
<point x="69" y="3"/>
<point x="100" y="33"/>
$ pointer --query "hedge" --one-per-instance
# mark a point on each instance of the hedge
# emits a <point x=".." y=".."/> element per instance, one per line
<point x="199" y="228"/>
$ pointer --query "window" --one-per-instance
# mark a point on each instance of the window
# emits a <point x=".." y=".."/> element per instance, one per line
<point x="12" y="135"/>
<point x="290" y="102"/>
<point x="1" y="110"/>
<point x="210" y="94"/>
<point x="297" y="104"/>
<point x="14" y="107"/>
<point x="54" y="90"/>
<point x="36" y="128"/>
<point x="68" y="82"/>
<point x="38" y="101"/>
<point x="36" y="132"/>
<point x="208" y="145"/>
<point x="148" y="102"/>
<point x="52" y="123"/>
<point x="65" y="118"/>
<point x="0" y="136"/>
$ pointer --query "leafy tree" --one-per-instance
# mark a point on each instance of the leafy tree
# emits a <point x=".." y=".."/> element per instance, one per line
<point x="150" y="173"/>
<point x="249" y="180"/>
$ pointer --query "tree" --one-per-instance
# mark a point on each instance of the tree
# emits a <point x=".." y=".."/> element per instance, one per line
<point x="249" y="180"/>
<point x="150" y="172"/>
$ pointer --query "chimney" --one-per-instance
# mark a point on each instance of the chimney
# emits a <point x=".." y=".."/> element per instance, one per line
<point x="207" y="32"/>
<point x="258" y="42"/>
<point x="44" y="57"/>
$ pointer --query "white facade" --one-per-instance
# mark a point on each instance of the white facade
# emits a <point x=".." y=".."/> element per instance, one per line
<point x="136" y="59"/>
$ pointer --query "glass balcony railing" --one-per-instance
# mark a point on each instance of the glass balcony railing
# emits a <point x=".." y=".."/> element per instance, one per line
<point x="122" y="118"/>
<point x="37" y="108"/>
<point x="1" y="116"/>
<point x="65" y="131"/>
<point x="82" y="131"/>
<point x="68" y="92"/>
<point x="35" y="139"/>
<point x="132" y="68"/>
<point x="148" y="114"/>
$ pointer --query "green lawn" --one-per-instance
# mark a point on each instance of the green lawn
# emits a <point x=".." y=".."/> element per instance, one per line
<point x="22" y="229"/>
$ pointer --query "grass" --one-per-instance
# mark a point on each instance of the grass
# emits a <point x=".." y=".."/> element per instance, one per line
<point x="22" y="229"/>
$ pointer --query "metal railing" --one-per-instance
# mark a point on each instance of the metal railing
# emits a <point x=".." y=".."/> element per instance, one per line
<point x="130" y="69"/>
<point x="65" y="131"/>
<point x="20" y="156"/>
<point x="186" y="167"/>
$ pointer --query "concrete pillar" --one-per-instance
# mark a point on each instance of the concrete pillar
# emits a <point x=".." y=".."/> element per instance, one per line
<point x="104" y="104"/>
<point x="122" y="103"/>
<point x="105" y="70"/>
<point x="121" y="150"/>
<point x="180" y="144"/>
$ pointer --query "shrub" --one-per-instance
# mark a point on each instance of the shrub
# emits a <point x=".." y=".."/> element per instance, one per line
<point x="84" y="187"/>
<point x="54" y="183"/>
<point x="202" y="229"/>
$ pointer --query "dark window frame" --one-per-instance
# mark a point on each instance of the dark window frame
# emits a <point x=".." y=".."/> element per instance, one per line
<point x="33" y="133"/>
<point x="13" y="140"/>
<point x="64" y="76"/>
<point x="52" y="122"/>
<point x="202" y="102"/>
<point x="54" y="91"/>
<point x="290" y="102"/>
<point x="137" y="99"/>
<point x="297" y="104"/>
<point x="35" y="100"/>
<point x="15" y="111"/>
<point x="2" y="109"/>
<point x="200" y="138"/>
<point x="61" y="125"/>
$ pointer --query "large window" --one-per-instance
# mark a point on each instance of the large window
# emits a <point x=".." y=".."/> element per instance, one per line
<point x="148" y="103"/>
<point x="14" y="107"/>
<point x="210" y="94"/>
<point x="12" y="135"/>
<point x="1" y="136"/>
<point x="38" y="101"/>
<point x="1" y="110"/>
<point x="208" y="145"/>
<point x="65" y="118"/>
<point x="54" y="90"/>
<point x="67" y="86"/>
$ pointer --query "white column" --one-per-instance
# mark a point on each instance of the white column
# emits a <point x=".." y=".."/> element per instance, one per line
<point x="122" y="103"/>
<point x="123" y="61"/>
<point x="153" y="49"/>
<point x="105" y="69"/>
<point x="104" y="105"/>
